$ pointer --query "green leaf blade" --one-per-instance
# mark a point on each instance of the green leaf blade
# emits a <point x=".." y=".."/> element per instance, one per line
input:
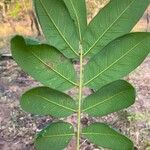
<point x="104" y="136"/>
<point x="110" y="98"/>
<point x="46" y="101"/>
<point x="77" y="9"/>
<point x="114" y="20"/>
<point x="117" y="59"/>
<point x="53" y="16"/>
<point x="44" y="63"/>
<point x="55" y="137"/>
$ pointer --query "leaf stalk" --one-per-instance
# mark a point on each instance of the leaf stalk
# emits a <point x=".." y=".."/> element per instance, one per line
<point x="80" y="98"/>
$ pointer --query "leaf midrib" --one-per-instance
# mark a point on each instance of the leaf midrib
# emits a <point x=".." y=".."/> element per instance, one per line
<point x="50" y="18"/>
<point x="59" y="135"/>
<point x="80" y="99"/>
<point x="121" y="14"/>
<point x="93" y="133"/>
<point x="105" y="100"/>
<point x="77" y="18"/>
<point x="42" y="61"/>
<point x="113" y="63"/>
<point x="73" y="110"/>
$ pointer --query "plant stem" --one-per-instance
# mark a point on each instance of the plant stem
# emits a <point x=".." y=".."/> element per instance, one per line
<point x="80" y="99"/>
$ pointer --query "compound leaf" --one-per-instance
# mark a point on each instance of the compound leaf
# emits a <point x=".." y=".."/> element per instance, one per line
<point x="46" y="101"/>
<point x="44" y="63"/>
<point x="117" y="59"/>
<point x="77" y="9"/>
<point x="64" y="24"/>
<point x="110" y="98"/>
<point x="58" y="26"/>
<point x="104" y="136"/>
<point x="55" y="137"/>
<point x="114" y="20"/>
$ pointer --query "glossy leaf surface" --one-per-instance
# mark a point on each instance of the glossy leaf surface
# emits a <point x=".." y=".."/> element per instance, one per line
<point x="44" y="63"/>
<point x="46" y="101"/>
<point x="64" y="25"/>
<point x="104" y="136"/>
<point x="55" y="137"/>
<point x="77" y="9"/>
<point x="58" y="26"/>
<point x="117" y="59"/>
<point x="114" y="20"/>
<point x="110" y="98"/>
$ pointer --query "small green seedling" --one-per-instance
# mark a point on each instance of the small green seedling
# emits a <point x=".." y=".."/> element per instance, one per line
<point x="111" y="53"/>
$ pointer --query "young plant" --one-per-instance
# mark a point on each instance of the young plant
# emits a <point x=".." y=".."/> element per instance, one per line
<point x="111" y="53"/>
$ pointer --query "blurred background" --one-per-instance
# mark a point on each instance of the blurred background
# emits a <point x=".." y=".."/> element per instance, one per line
<point x="17" y="128"/>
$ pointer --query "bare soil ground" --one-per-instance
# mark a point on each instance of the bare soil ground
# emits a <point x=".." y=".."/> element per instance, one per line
<point x="17" y="128"/>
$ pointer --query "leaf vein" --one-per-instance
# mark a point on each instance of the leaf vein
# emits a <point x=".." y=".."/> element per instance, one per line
<point x="58" y="29"/>
<point x="104" y="101"/>
<point x="113" y="63"/>
<point x="54" y="70"/>
<point x="92" y="133"/>
<point x="79" y="29"/>
<point x="121" y="14"/>
<point x="59" y="135"/>
<point x="55" y="103"/>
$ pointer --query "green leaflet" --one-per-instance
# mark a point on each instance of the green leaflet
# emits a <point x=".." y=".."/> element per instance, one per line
<point x="106" y="137"/>
<point x="77" y="10"/>
<point x="110" y="98"/>
<point x="57" y="25"/>
<point x="44" y="63"/>
<point x="114" y="20"/>
<point x="55" y="137"/>
<point x="46" y="101"/>
<point x="65" y="27"/>
<point x="117" y="59"/>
